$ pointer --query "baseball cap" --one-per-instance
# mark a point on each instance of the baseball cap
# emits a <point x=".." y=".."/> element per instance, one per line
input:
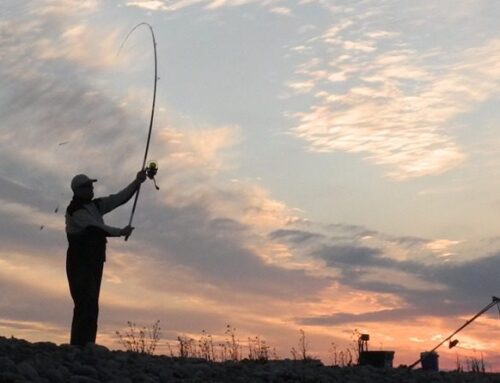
<point x="81" y="180"/>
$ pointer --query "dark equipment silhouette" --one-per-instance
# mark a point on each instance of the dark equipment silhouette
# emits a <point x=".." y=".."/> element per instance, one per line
<point x="495" y="301"/>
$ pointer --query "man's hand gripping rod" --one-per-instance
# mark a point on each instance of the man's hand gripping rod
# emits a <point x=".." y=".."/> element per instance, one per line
<point x="151" y="172"/>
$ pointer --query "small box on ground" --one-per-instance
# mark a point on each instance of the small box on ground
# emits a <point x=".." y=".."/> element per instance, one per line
<point x="382" y="359"/>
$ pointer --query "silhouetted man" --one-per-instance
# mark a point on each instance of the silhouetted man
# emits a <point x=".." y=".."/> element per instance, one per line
<point x="86" y="233"/>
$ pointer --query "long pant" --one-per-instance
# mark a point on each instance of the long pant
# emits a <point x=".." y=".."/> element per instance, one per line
<point x="84" y="277"/>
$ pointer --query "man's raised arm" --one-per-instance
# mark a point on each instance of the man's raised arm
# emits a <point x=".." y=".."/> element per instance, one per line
<point x="106" y="204"/>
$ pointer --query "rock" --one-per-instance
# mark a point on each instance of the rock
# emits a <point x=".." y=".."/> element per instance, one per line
<point x="44" y="361"/>
<point x="64" y="372"/>
<point x="28" y="371"/>
<point x="85" y="370"/>
<point x="145" y="378"/>
<point x="96" y="350"/>
<point x="46" y="345"/>
<point x="54" y="375"/>
<point x="179" y="374"/>
<point x="7" y="365"/>
<point x="121" y="357"/>
<point x="120" y="379"/>
<point x="112" y="365"/>
<point x="82" y="379"/>
<point x="11" y="377"/>
<point x="72" y="353"/>
<point x="165" y="376"/>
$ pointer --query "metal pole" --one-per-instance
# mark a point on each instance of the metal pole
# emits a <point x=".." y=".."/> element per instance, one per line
<point x="495" y="301"/>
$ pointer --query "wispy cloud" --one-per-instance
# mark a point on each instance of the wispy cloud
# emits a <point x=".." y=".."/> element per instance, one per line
<point x="202" y="149"/>
<point x="273" y="6"/>
<point x="76" y="44"/>
<point x="284" y="11"/>
<point x="64" y="7"/>
<point x="152" y="5"/>
<point x="375" y="94"/>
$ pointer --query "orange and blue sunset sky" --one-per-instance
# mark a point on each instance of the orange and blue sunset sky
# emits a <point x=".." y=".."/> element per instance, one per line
<point x="324" y="165"/>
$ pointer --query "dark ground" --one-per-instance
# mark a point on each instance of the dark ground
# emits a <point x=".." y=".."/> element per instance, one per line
<point x="22" y="361"/>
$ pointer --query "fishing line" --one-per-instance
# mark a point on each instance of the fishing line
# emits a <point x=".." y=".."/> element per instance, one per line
<point x="150" y="121"/>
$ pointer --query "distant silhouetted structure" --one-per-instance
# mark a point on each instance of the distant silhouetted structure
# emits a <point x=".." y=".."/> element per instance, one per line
<point x="373" y="358"/>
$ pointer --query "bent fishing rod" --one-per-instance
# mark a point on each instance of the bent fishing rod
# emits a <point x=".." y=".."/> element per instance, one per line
<point x="152" y="167"/>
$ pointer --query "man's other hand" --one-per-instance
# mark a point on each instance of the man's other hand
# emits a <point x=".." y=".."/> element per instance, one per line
<point x="141" y="176"/>
<point x="127" y="230"/>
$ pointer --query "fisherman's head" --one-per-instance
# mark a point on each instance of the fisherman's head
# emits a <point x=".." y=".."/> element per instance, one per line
<point x="83" y="187"/>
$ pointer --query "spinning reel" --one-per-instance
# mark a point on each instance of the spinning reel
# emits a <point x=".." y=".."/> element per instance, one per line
<point x="151" y="171"/>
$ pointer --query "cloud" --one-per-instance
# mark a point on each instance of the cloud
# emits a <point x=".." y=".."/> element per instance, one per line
<point x="31" y="304"/>
<point x="202" y="149"/>
<point x="293" y="235"/>
<point x="301" y="86"/>
<point x="444" y="290"/>
<point x="228" y="255"/>
<point x="50" y="99"/>
<point x="342" y="318"/>
<point x="442" y="247"/>
<point x="410" y="270"/>
<point x="25" y="213"/>
<point x="151" y="5"/>
<point x="283" y="11"/>
<point x="474" y="278"/>
<point x="76" y="44"/>
<point x="211" y="5"/>
<point x="397" y="106"/>
<point x="351" y="255"/>
<point x="63" y="8"/>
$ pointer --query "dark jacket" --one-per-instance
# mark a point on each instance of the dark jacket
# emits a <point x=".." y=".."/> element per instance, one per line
<point x="85" y="227"/>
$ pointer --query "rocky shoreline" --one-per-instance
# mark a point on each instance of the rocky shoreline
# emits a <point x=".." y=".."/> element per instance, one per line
<point x="44" y="362"/>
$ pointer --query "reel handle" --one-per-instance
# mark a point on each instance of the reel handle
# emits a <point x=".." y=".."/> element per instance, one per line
<point x="151" y="171"/>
